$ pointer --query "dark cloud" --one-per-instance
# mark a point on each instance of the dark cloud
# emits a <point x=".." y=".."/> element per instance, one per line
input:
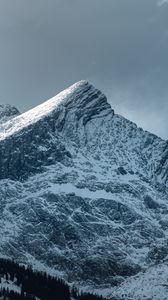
<point x="121" y="46"/>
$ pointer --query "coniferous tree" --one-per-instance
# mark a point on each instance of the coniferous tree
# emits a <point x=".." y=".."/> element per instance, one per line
<point x="34" y="284"/>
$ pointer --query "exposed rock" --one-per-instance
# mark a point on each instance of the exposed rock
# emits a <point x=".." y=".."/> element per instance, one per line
<point x="83" y="190"/>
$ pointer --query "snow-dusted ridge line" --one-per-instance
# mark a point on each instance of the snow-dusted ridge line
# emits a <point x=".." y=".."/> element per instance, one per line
<point x="17" y="123"/>
<point x="42" y="110"/>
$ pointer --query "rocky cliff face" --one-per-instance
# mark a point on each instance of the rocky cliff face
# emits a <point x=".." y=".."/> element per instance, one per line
<point x="7" y="112"/>
<point x="83" y="190"/>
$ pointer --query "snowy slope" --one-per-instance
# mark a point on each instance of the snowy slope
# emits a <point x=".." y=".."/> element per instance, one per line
<point x="84" y="191"/>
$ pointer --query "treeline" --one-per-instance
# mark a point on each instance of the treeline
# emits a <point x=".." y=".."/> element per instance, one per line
<point x="6" y="294"/>
<point x="34" y="284"/>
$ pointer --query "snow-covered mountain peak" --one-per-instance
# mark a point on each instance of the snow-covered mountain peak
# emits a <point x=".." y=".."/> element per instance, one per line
<point x="81" y="98"/>
<point x="84" y="190"/>
<point x="79" y="123"/>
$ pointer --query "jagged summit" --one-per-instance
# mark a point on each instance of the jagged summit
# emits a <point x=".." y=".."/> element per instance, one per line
<point x="79" y="119"/>
<point x="81" y="97"/>
<point x="7" y="112"/>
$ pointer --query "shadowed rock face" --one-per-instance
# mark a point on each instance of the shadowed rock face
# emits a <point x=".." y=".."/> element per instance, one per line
<point x="83" y="190"/>
<point x="7" y="112"/>
<point x="162" y="168"/>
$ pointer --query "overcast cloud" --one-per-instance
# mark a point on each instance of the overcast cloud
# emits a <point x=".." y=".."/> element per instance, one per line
<point x="162" y="2"/>
<point x="121" y="46"/>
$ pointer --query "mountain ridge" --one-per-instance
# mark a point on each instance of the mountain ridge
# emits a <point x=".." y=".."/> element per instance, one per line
<point x="73" y="108"/>
<point x="65" y="98"/>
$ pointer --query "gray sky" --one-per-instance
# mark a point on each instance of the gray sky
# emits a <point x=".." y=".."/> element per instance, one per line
<point x="121" y="46"/>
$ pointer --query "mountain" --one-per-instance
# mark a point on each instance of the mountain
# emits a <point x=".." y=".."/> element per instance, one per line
<point x="84" y="194"/>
